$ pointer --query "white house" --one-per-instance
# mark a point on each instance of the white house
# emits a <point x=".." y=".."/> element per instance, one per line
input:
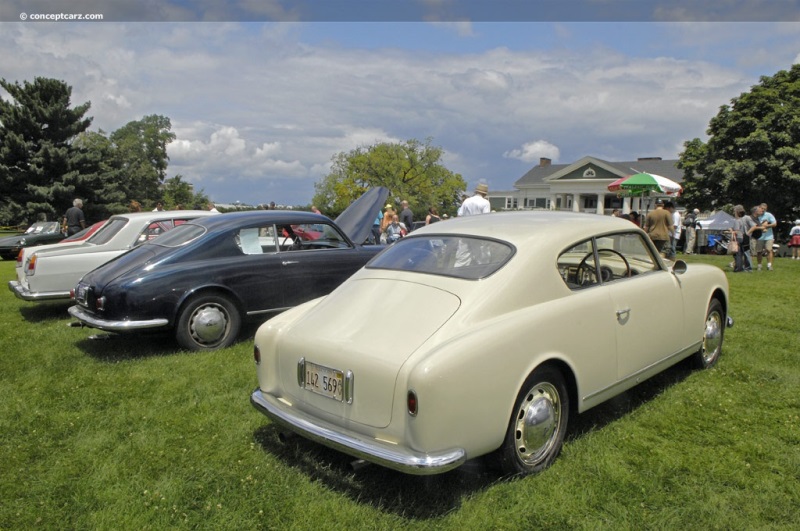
<point x="581" y="186"/>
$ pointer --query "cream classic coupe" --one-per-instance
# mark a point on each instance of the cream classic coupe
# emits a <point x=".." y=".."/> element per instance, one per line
<point x="481" y="335"/>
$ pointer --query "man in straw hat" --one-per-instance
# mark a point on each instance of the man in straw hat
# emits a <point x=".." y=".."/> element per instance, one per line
<point x="468" y="251"/>
<point x="477" y="204"/>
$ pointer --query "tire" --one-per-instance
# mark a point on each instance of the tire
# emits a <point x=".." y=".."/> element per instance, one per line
<point x="208" y="322"/>
<point x="713" y="336"/>
<point x="537" y="426"/>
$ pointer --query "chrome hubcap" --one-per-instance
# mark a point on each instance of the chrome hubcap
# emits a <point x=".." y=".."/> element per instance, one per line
<point x="537" y="422"/>
<point x="209" y="324"/>
<point x="712" y="338"/>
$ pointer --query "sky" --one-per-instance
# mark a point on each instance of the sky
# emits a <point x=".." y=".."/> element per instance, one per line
<point x="263" y="94"/>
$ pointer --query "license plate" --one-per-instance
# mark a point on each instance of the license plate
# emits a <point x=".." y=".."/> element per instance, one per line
<point x="324" y="381"/>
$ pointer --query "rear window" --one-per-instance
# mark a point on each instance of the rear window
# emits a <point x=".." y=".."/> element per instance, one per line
<point x="107" y="231"/>
<point x="180" y="235"/>
<point x="453" y="256"/>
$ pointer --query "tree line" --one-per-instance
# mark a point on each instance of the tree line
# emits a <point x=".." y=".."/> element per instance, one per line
<point x="48" y="157"/>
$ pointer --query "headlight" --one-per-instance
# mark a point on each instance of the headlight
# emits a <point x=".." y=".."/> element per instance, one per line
<point x="22" y="241"/>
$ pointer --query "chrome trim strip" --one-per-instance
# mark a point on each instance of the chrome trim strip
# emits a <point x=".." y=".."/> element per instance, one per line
<point x="301" y="372"/>
<point x="636" y="378"/>
<point x="355" y="444"/>
<point x="271" y="310"/>
<point x="113" y="326"/>
<point x="25" y="294"/>
<point x="349" y="382"/>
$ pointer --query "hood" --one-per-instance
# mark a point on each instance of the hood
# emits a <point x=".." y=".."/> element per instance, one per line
<point x="353" y="330"/>
<point x="11" y="240"/>
<point x="356" y="220"/>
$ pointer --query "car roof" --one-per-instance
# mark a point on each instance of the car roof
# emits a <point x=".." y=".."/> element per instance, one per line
<point x="523" y="228"/>
<point x="221" y="221"/>
<point x="163" y="214"/>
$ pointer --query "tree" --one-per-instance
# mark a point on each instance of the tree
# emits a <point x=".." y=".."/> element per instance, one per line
<point x="411" y="170"/>
<point x="753" y="151"/>
<point x="95" y="178"/>
<point x="37" y="127"/>
<point x="179" y="193"/>
<point x="141" y="155"/>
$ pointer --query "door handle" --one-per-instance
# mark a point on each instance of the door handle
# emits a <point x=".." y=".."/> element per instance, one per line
<point x="289" y="262"/>
<point x="623" y="313"/>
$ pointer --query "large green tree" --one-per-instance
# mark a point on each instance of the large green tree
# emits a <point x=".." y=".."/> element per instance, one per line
<point x="180" y="194"/>
<point x="37" y="127"/>
<point x="753" y="151"/>
<point x="141" y="156"/>
<point x="411" y="170"/>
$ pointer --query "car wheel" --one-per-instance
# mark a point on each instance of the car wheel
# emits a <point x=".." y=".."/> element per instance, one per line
<point x="208" y="322"/>
<point x="538" y="423"/>
<point x="713" y="335"/>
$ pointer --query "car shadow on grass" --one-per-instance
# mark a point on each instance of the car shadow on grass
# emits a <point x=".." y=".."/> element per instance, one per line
<point x="426" y="497"/>
<point x="414" y="497"/>
<point x="41" y="312"/>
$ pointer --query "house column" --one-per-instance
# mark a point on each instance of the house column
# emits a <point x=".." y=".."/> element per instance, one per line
<point x="576" y="202"/>
<point x="553" y="200"/>
<point x="601" y="203"/>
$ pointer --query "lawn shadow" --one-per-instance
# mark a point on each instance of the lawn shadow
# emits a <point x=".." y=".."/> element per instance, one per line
<point x="41" y="312"/>
<point x="413" y="497"/>
<point x="617" y="407"/>
<point x="426" y="497"/>
<point x="112" y="348"/>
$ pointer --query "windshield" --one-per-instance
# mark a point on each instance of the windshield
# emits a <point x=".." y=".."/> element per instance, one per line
<point x="107" y="231"/>
<point x="453" y="256"/>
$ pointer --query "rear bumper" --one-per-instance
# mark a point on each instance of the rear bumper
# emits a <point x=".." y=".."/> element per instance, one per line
<point x="25" y="294"/>
<point x="111" y="325"/>
<point x="361" y="446"/>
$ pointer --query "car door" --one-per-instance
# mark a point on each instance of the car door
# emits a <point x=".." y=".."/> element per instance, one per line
<point x="647" y="302"/>
<point x="317" y="260"/>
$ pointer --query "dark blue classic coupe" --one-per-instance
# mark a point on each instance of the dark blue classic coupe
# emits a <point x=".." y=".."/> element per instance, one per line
<point x="203" y="278"/>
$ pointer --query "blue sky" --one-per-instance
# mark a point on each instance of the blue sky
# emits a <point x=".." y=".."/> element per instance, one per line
<point x="260" y="107"/>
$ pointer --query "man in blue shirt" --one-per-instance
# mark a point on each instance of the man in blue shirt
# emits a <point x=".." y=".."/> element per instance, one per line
<point x="764" y="243"/>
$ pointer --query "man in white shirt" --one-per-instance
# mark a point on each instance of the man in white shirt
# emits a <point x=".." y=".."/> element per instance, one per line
<point x="466" y="252"/>
<point x="477" y="204"/>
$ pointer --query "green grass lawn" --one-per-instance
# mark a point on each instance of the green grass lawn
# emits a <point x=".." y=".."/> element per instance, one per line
<point x="133" y="434"/>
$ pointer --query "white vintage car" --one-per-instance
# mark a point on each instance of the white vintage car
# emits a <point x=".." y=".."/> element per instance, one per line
<point x="481" y="335"/>
<point x="49" y="272"/>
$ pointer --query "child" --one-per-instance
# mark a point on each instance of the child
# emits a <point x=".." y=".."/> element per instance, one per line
<point x="794" y="240"/>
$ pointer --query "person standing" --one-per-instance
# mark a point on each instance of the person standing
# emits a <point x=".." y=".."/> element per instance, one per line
<point x="315" y="210"/>
<point x="159" y="207"/>
<point x="74" y="220"/>
<point x="433" y="216"/>
<point x="407" y="217"/>
<point x="676" y="228"/>
<point x="376" y="228"/>
<point x="690" y="226"/>
<point x="466" y="251"/>
<point x="794" y="240"/>
<point x="764" y="243"/>
<point x="477" y="204"/>
<point x="658" y="225"/>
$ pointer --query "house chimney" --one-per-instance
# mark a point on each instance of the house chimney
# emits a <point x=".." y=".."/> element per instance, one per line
<point x="544" y="162"/>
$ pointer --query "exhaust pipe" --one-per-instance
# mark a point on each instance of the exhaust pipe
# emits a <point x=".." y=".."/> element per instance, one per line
<point x="285" y="436"/>
<point x="358" y="464"/>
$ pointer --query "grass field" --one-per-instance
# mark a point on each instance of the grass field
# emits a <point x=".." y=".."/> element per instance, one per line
<point x="133" y="434"/>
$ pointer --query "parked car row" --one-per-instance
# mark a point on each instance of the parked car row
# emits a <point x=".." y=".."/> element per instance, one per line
<point x="40" y="233"/>
<point x="499" y="327"/>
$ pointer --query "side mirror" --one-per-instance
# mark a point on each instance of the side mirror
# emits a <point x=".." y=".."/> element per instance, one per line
<point x="679" y="267"/>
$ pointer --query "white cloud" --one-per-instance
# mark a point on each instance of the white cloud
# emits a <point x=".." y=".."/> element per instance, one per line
<point x="533" y="151"/>
<point x="256" y="109"/>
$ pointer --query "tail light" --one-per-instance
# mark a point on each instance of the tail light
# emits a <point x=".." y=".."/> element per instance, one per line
<point x="30" y="267"/>
<point x="100" y="303"/>
<point x="257" y="354"/>
<point x="412" y="403"/>
<point x="19" y="257"/>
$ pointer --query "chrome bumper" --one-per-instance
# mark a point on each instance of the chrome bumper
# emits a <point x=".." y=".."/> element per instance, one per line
<point x="113" y="326"/>
<point x="355" y="444"/>
<point x="25" y="294"/>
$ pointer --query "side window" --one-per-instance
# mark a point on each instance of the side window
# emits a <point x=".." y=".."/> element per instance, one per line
<point x="577" y="266"/>
<point x="257" y="240"/>
<point x="623" y="256"/>
<point x="605" y="259"/>
<point x="307" y="236"/>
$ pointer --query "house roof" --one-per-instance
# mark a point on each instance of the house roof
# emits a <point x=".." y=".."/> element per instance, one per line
<point x="539" y="175"/>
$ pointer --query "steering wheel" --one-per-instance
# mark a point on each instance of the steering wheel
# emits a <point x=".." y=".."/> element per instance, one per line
<point x="584" y="273"/>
